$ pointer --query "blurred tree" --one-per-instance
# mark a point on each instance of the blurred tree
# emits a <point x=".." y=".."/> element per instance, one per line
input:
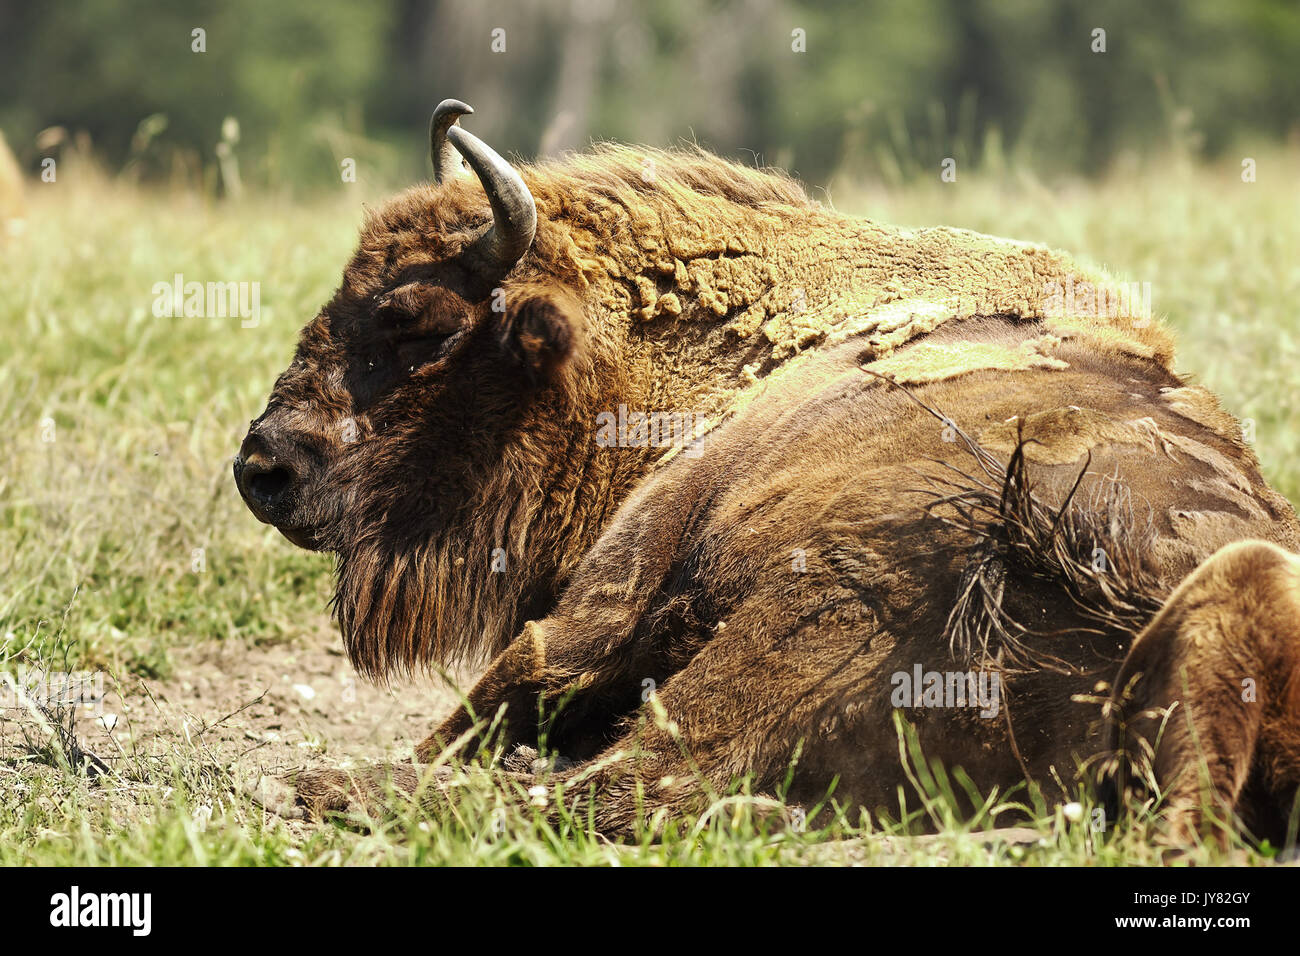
<point x="281" y="70"/>
<point x="881" y="86"/>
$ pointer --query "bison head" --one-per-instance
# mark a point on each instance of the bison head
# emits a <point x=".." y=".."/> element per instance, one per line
<point x="406" y="394"/>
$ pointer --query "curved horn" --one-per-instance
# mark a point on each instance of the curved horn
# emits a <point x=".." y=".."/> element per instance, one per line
<point x="447" y="115"/>
<point x="514" y="213"/>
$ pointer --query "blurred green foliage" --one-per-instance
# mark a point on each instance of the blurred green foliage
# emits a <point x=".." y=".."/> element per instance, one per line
<point x="888" y="87"/>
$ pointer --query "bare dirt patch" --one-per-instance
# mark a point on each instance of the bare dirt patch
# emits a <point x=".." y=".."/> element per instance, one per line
<point x="234" y="707"/>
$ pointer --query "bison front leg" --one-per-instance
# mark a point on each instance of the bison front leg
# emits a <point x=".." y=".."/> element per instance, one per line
<point x="512" y="682"/>
<point x="593" y="651"/>
<point x="585" y="672"/>
<point x="1207" y="704"/>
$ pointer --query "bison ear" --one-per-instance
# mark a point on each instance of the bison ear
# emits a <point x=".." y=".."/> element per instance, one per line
<point x="540" y="332"/>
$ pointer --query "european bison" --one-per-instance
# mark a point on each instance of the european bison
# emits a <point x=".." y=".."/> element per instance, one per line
<point x="645" y="421"/>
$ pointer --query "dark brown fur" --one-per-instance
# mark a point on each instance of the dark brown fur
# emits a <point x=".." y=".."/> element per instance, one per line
<point x="838" y="528"/>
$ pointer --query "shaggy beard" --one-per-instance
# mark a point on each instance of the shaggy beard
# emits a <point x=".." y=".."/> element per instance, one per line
<point x="405" y="608"/>
<point x="419" y="591"/>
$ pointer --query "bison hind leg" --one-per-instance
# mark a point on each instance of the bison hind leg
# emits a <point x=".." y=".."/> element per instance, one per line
<point x="1207" y="703"/>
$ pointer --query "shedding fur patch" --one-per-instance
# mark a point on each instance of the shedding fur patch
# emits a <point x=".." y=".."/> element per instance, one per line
<point x="1057" y="546"/>
<point x="1060" y="436"/>
<point x="683" y="246"/>
<point x="1198" y="404"/>
<point x="935" y="362"/>
<point x="1016" y="532"/>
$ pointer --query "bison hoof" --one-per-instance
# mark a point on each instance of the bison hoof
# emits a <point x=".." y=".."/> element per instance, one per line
<point x="275" y="795"/>
<point x="307" y="795"/>
<point x="525" y="760"/>
<point x="321" y="794"/>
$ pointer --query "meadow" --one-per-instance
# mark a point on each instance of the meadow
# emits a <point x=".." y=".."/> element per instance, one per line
<point x="125" y="550"/>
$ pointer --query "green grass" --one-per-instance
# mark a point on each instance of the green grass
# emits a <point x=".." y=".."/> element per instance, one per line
<point x="99" y="526"/>
<point x="185" y="811"/>
<point x="147" y="414"/>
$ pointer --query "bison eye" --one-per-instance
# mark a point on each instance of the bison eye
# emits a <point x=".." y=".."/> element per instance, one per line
<point x="419" y="308"/>
<point x="416" y="350"/>
<point x="387" y="314"/>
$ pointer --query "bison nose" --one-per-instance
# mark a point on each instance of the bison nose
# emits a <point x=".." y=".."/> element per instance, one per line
<point x="266" y="478"/>
<point x="264" y="481"/>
